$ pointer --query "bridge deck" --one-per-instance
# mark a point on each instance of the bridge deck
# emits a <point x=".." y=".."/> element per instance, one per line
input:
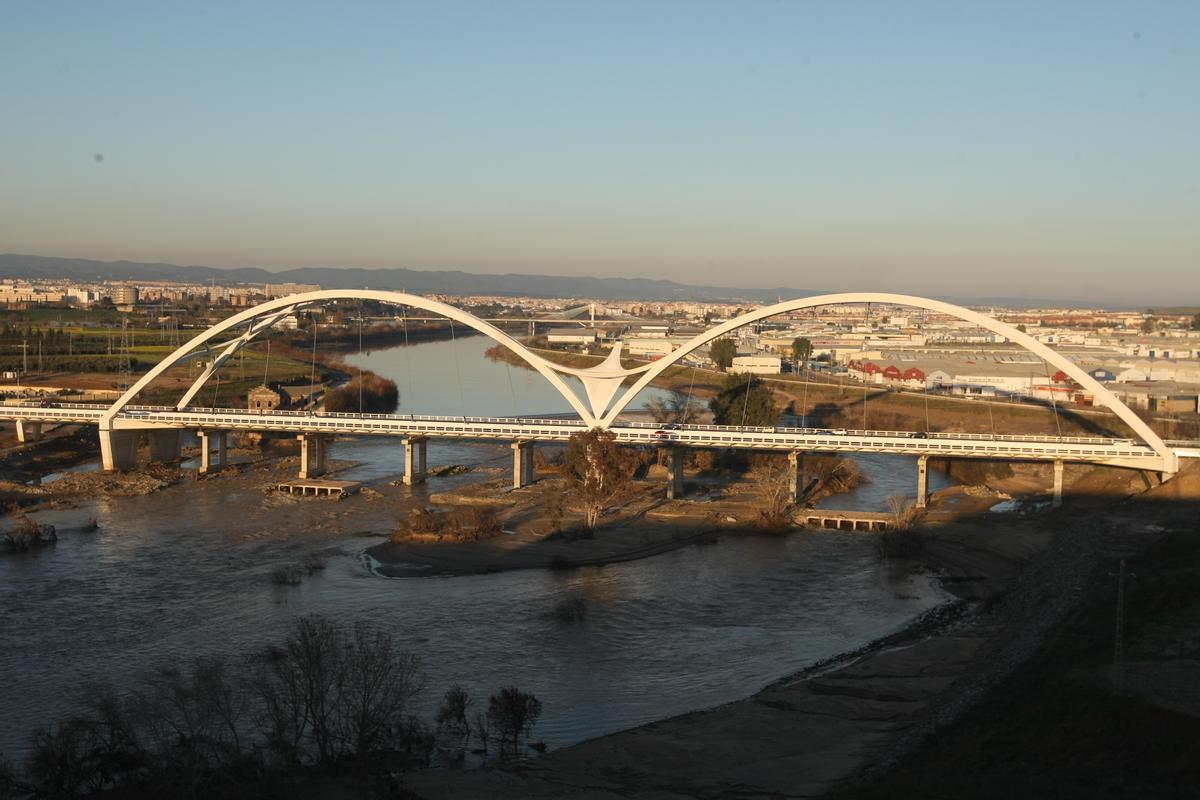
<point x="1119" y="452"/>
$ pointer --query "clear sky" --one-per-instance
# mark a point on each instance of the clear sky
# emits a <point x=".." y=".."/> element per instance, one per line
<point x="960" y="148"/>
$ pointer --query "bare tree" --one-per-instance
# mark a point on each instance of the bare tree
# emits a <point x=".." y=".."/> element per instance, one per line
<point x="513" y="713"/>
<point x="483" y="730"/>
<point x="191" y="722"/>
<point x="88" y="752"/>
<point x="676" y="407"/>
<point x="378" y="683"/>
<point x="452" y="715"/>
<point x="328" y="694"/>
<point x="771" y="476"/>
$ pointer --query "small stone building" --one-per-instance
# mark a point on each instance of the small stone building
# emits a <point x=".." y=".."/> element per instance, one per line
<point x="263" y="398"/>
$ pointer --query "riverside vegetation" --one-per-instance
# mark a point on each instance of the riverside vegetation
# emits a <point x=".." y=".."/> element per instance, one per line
<point x="328" y="700"/>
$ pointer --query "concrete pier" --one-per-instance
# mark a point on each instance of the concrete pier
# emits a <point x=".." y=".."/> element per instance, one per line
<point x="522" y="464"/>
<point x="164" y="445"/>
<point x="414" y="460"/>
<point x="674" y="473"/>
<point x="312" y="455"/>
<point x="206" y="451"/>
<point x="1056" y="500"/>
<point x="118" y="450"/>
<point x="28" y="431"/>
<point x="795" y="476"/>
<point x="922" y="481"/>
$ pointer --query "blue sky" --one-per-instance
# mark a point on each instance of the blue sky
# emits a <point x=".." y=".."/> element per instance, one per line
<point x="1029" y="149"/>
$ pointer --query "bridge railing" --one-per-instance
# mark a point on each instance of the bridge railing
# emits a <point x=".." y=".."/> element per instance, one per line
<point x="654" y="431"/>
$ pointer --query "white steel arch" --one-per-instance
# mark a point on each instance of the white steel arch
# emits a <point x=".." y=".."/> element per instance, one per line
<point x="1104" y="396"/>
<point x="602" y="381"/>
<point x="261" y="317"/>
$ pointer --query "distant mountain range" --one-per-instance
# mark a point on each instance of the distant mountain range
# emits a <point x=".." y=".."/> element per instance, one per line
<point x="430" y="282"/>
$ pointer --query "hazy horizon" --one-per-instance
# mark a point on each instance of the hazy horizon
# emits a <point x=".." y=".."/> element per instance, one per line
<point x="957" y="149"/>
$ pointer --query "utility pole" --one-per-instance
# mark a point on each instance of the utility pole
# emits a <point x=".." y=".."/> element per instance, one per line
<point x="1119" y="635"/>
<point x="24" y="345"/>
<point x="125" y="366"/>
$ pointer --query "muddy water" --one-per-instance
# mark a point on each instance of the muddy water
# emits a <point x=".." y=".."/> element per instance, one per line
<point x="175" y="575"/>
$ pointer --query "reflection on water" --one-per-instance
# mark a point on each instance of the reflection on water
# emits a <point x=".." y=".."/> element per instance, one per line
<point x="174" y="575"/>
<point x="455" y="378"/>
<point x="883" y="476"/>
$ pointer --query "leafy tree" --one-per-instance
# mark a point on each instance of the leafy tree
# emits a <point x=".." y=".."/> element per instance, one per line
<point x="1148" y="325"/>
<point x="513" y="714"/>
<point x="1196" y="323"/>
<point x="745" y="402"/>
<point x="801" y="350"/>
<point x="678" y="406"/>
<point x="598" y="469"/>
<point x="1021" y="328"/>
<point x="722" y="352"/>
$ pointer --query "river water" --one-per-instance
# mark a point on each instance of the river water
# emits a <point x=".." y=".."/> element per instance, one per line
<point x="172" y="576"/>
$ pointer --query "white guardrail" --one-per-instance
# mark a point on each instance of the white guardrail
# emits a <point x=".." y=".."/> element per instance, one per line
<point x="787" y="438"/>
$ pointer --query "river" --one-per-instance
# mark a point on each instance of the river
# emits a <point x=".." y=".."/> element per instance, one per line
<point x="176" y="575"/>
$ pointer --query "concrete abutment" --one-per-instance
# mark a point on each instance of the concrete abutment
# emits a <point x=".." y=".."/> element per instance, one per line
<point x="674" y="473"/>
<point x="522" y="464"/>
<point x="165" y="445"/>
<point x="414" y="460"/>
<point x="312" y="455"/>
<point x="118" y="450"/>
<point x="28" y="431"/>
<point x="207" y="439"/>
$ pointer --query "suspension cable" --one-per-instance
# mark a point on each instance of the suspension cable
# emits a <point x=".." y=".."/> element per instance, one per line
<point x="746" y="399"/>
<point x="360" y="352"/>
<point x="312" y="378"/>
<point x="1053" y="400"/>
<point x="864" y="427"/>
<point x="407" y="357"/>
<point x="462" y="403"/>
<point x="687" y="409"/>
<point x="267" y="363"/>
<point x="804" y="402"/>
<point x="512" y="393"/>
<point x="925" y="391"/>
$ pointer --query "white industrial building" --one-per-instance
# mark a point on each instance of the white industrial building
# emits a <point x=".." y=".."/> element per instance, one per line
<point x="572" y="336"/>
<point x="756" y="365"/>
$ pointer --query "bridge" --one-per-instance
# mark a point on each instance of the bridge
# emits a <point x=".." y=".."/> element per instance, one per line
<point x="163" y="424"/>
<point x="122" y="423"/>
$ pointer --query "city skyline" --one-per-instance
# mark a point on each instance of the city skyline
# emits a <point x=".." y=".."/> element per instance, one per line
<point x="958" y="150"/>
